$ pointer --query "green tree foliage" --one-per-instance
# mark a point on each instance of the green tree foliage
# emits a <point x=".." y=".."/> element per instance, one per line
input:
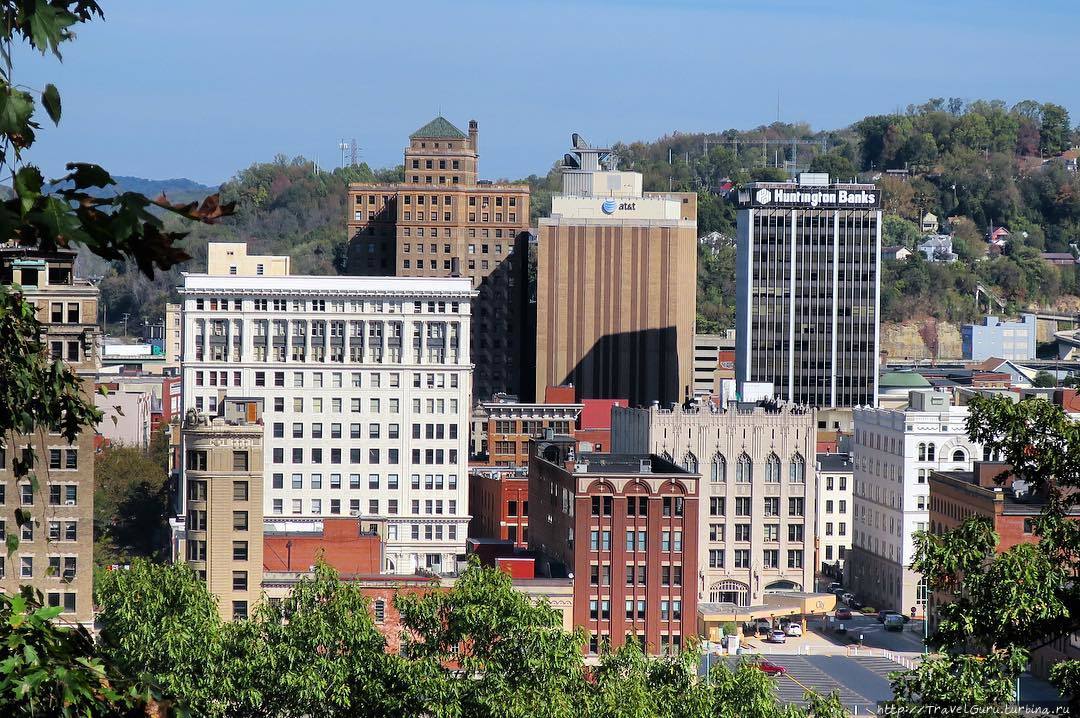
<point x="898" y="232"/>
<point x="1044" y="379"/>
<point x="53" y="670"/>
<point x="478" y="649"/>
<point x="160" y="620"/>
<point x="1055" y="130"/>
<point x="838" y="166"/>
<point x="716" y="288"/>
<point x="131" y="504"/>
<point x="1001" y="605"/>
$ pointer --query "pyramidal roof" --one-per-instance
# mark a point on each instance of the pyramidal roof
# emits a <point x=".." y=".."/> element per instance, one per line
<point x="439" y="127"/>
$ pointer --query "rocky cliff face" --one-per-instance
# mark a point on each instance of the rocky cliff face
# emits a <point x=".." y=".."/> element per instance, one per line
<point x="922" y="339"/>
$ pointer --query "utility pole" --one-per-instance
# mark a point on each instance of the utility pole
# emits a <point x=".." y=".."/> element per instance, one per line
<point x="125" y="318"/>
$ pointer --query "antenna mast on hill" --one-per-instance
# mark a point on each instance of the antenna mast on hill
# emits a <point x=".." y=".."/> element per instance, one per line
<point x="344" y="147"/>
<point x="355" y="153"/>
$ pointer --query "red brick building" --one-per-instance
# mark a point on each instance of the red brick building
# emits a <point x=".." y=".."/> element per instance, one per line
<point x="342" y="543"/>
<point x="499" y="504"/>
<point x="594" y="424"/>
<point x="510" y="424"/>
<point x="958" y="495"/>
<point x="625" y="526"/>
<point x="379" y="590"/>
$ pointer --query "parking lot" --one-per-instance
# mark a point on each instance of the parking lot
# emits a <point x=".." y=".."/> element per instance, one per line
<point x="860" y="681"/>
<point x="856" y="665"/>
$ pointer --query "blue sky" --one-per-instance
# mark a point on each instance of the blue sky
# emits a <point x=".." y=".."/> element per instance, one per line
<point x="202" y="89"/>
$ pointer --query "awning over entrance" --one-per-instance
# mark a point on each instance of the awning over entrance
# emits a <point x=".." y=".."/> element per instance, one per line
<point x="711" y="616"/>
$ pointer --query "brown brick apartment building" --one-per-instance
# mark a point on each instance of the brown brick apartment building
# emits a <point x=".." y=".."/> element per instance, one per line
<point x="56" y="551"/>
<point x="444" y="221"/>
<point x="625" y="525"/>
<point x="958" y="495"/>
<point x="499" y="504"/>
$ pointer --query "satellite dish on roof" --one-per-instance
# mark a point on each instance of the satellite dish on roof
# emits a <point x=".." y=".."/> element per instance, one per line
<point x="578" y="142"/>
<point x="571" y="161"/>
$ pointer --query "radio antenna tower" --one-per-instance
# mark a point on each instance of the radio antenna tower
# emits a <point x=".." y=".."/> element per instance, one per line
<point x="355" y="152"/>
<point x="344" y="147"/>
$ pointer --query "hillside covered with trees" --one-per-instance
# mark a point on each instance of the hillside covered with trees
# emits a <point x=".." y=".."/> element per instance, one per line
<point x="975" y="165"/>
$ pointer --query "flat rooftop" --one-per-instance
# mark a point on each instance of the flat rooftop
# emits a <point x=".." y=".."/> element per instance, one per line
<point x="599" y="463"/>
<point x="458" y="287"/>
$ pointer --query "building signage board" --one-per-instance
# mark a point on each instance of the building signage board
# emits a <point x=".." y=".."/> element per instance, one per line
<point x="792" y="196"/>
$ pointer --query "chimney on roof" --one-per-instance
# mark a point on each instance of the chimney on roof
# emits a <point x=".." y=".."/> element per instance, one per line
<point x="472" y="134"/>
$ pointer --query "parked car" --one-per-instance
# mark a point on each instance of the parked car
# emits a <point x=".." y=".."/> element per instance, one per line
<point x="843" y="614"/>
<point x="777" y="636"/>
<point x="762" y="626"/>
<point x="770" y="668"/>
<point x="884" y="613"/>
<point x="847" y="598"/>
<point x="894" y="622"/>
<point x="833" y="586"/>
<point x="793" y="629"/>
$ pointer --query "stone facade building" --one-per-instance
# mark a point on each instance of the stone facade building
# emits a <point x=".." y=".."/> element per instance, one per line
<point x="895" y="451"/>
<point x="365" y="385"/>
<point x="223" y="537"/>
<point x="835" y="506"/>
<point x="758" y="491"/>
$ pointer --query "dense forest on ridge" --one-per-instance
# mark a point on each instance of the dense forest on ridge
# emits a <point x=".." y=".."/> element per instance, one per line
<point x="976" y="166"/>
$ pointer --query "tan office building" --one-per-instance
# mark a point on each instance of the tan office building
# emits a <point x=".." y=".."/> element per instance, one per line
<point x="232" y="259"/>
<point x="56" y="551"/>
<point x="442" y="221"/>
<point x="616" y="288"/>
<point x="223" y="540"/>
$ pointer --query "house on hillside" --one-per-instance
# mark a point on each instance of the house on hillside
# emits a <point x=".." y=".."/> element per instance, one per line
<point x="929" y="224"/>
<point x="1019" y="376"/>
<point x="898" y="254"/>
<point x="1060" y="259"/>
<point x="938" y="248"/>
<point x="715" y="239"/>
<point x="996" y="239"/>
<point x="1069" y="158"/>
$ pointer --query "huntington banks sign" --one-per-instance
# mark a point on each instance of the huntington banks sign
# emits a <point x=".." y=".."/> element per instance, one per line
<point x="813" y="197"/>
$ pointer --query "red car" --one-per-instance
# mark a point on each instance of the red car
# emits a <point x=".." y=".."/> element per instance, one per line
<point x="843" y="614"/>
<point x="771" y="669"/>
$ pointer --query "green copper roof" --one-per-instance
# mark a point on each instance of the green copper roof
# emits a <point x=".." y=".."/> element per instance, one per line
<point x="439" y="127"/>
<point x="898" y="379"/>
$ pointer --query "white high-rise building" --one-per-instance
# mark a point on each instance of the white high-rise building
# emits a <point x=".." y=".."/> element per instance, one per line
<point x="894" y="452"/>
<point x="366" y="385"/>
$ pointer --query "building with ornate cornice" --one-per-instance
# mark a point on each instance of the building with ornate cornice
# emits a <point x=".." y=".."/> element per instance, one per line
<point x="758" y="491"/>
<point x="895" y="451"/>
<point x="365" y="384"/>
<point x="624" y="526"/>
<point x="443" y="221"/>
